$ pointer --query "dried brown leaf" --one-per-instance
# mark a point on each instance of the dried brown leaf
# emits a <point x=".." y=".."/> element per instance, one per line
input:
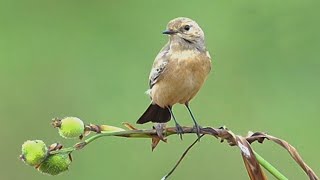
<point x="259" y="136"/>
<point x="129" y="126"/>
<point x="54" y="147"/>
<point x="87" y="131"/>
<point x="252" y="165"/>
<point x="155" y="141"/>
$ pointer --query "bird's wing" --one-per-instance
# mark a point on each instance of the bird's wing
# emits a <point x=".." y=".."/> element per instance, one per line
<point x="159" y="66"/>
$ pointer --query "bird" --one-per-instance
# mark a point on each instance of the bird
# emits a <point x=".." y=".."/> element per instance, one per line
<point x="178" y="72"/>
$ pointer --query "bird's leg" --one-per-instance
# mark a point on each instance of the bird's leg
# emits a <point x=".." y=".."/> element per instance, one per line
<point x="178" y="127"/>
<point x="197" y="127"/>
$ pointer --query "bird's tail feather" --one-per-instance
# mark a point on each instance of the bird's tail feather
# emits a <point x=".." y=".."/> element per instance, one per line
<point x="155" y="113"/>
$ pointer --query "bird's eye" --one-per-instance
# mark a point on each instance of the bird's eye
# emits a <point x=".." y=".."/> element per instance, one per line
<point x="186" y="27"/>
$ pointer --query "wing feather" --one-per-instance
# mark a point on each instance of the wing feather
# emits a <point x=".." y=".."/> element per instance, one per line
<point x="159" y="66"/>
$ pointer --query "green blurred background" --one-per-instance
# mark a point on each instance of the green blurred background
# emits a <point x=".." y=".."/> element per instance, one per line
<point x="91" y="59"/>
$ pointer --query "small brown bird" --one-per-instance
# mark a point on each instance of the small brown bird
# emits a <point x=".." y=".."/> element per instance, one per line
<point x="177" y="74"/>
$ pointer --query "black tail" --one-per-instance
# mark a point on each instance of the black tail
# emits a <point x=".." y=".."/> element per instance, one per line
<point x="155" y="113"/>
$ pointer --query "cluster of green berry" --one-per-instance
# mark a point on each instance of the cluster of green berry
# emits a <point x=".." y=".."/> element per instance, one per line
<point x="35" y="152"/>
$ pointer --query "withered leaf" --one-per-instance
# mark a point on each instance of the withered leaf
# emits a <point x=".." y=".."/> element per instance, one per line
<point x="252" y="165"/>
<point x="260" y="136"/>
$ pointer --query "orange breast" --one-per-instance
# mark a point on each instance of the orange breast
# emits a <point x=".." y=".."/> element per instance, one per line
<point x="182" y="79"/>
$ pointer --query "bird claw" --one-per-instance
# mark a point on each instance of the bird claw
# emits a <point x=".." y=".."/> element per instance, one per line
<point x="160" y="128"/>
<point x="197" y="128"/>
<point x="160" y="134"/>
<point x="179" y="130"/>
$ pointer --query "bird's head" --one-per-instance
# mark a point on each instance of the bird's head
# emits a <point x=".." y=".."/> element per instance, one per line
<point x="185" y="29"/>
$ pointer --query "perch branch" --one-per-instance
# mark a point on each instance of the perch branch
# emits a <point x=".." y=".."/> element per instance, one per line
<point x="251" y="158"/>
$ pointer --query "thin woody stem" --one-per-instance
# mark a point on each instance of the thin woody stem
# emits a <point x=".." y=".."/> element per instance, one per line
<point x="181" y="158"/>
<point x="128" y="134"/>
<point x="221" y="133"/>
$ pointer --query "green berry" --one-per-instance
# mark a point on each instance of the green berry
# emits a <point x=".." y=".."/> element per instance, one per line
<point x="34" y="152"/>
<point x="71" y="127"/>
<point x="55" y="164"/>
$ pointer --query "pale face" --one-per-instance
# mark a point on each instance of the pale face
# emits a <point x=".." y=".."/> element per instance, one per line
<point x="186" y="29"/>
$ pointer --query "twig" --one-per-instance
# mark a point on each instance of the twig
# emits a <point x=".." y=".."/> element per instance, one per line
<point x="220" y="133"/>
<point x="181" y="158"/>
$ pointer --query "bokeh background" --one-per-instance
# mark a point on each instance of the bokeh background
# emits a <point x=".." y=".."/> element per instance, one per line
<point x="91" y="59"/>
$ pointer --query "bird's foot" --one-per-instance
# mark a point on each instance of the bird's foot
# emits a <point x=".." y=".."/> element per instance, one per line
<point x="179" y="130"/>
<point x="160" y="128"/>
<point x="197" y="128"/>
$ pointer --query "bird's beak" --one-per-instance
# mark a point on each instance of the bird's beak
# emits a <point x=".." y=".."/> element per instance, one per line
<point x="169" y="32"/>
